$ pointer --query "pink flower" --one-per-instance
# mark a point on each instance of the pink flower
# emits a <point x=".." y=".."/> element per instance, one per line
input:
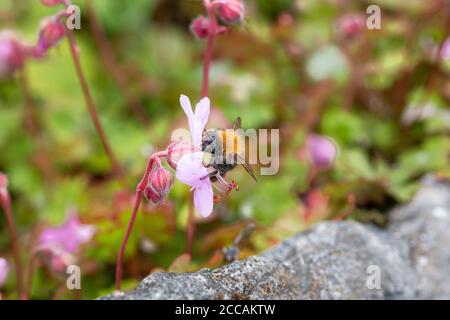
<point x="197" y="120"/>
<point x="190" y="167"/>
<point x="55" y="258"/>
<point x="230" y="11"/>
<point x="321" y="150"/>
<point x="177" y="150"/>
<point x="51" y="33"/>
<point x="200" y="27"/>
<point x="351" y="25"/>
<point x="3" y="271"/>
<point x="191" y="171"/>
<point x="3" y="181"/>
<point x="12" y="54"/>
<point x="69" y="236"/>
<point x="51" y="3"/>
<point x="445" y="50"/>
<point x="159" y="184"/>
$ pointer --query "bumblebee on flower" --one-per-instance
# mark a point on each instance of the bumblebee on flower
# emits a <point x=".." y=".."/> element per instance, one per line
<point x="200" y="163"/>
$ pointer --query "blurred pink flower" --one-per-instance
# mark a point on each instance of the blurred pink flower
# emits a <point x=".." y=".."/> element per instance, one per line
<point x="445" y="50"/>
<point x="51" y="3"/>
<point x="3" y="271"/>
<point x="51" y="33"/>
<point x="200" y="27"/>
<point x="191" y="171"/>
<point x="54" y="257"/>
<point x="68" y="236"/>
<point x="230" y="11"/>
<point x="351" y="25"/>
<point x="3" y="181"/>
<point x="321" y="150"/>
<point x="12" y="54"/>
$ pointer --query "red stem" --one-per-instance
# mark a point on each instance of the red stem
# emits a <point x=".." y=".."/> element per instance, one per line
<point x="93" y="110"/>
<point x="137" y="202"/>
<point x="5" y="202"/>
<point x="209" y="47"/>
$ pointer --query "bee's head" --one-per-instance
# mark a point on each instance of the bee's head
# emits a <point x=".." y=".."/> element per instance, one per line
<point x="210" y="141"/>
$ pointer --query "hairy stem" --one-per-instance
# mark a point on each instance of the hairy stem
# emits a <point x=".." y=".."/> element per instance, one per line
<point x="5" y="203"/>
<point x="93" y="110"/>
<point x="137" y="202"/>
<point x="209" y="48"/>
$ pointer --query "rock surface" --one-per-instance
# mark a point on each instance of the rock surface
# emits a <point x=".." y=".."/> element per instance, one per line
<point x="333" y="260"/>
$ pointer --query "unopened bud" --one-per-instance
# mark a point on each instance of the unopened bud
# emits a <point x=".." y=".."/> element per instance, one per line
<point x="200" y="27"/>
<point x="351" y="25"/>
<point x="230" y="11"/>
<point x="3" y="181"/>
<point x="51" y="33"/>
<point x="12" y="54"/>
<point x="322" y="151"/>
<point x="51" y="3"/>
<point x="159" y="184"/>
<point x="177" y="150"/>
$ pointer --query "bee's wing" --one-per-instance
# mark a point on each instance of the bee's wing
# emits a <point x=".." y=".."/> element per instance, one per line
<point x="237" y="123"/>
<point x="247" y="167"/>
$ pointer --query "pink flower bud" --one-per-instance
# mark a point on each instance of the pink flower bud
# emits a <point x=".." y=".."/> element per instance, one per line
<point x="322" y="151"/>
<point x="4" y="195"/>
<point x="3" y="181"/>
<point x="51" y="33"/>
<point x="178" y="149"/>
<point x="3" y="271"/>
<point x="51" y="3"/>
<point x="351" y="25"/>
<point x="200" y="27"/>
<point x="159" y="184"/>
<point x="230" y="11"/>
<point x="12" y="54"/>
<point x="445" y="50"/>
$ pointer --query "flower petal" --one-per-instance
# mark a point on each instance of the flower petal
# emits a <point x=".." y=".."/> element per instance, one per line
<point x="190" y="169"/>
<point x="186" y="105"/>
<point x="202" y="112"/>
<point x="204" y="198"/>
<point x="187" y="108"/>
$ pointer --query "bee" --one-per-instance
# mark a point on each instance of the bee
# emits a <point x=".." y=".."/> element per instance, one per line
<point x="227" y="150"/>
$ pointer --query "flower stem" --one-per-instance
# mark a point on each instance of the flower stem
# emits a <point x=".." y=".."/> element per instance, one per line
<point x="209" y="47"/>
<point x="137" y="202"/>
<point x="118" y="172"/>
<point x="5" y="202"/>
<point x="30" y="274"/>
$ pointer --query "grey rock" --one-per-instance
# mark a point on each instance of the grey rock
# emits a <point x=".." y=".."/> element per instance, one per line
<point x="333" y="260"/>
<point x="425" y="223"/>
